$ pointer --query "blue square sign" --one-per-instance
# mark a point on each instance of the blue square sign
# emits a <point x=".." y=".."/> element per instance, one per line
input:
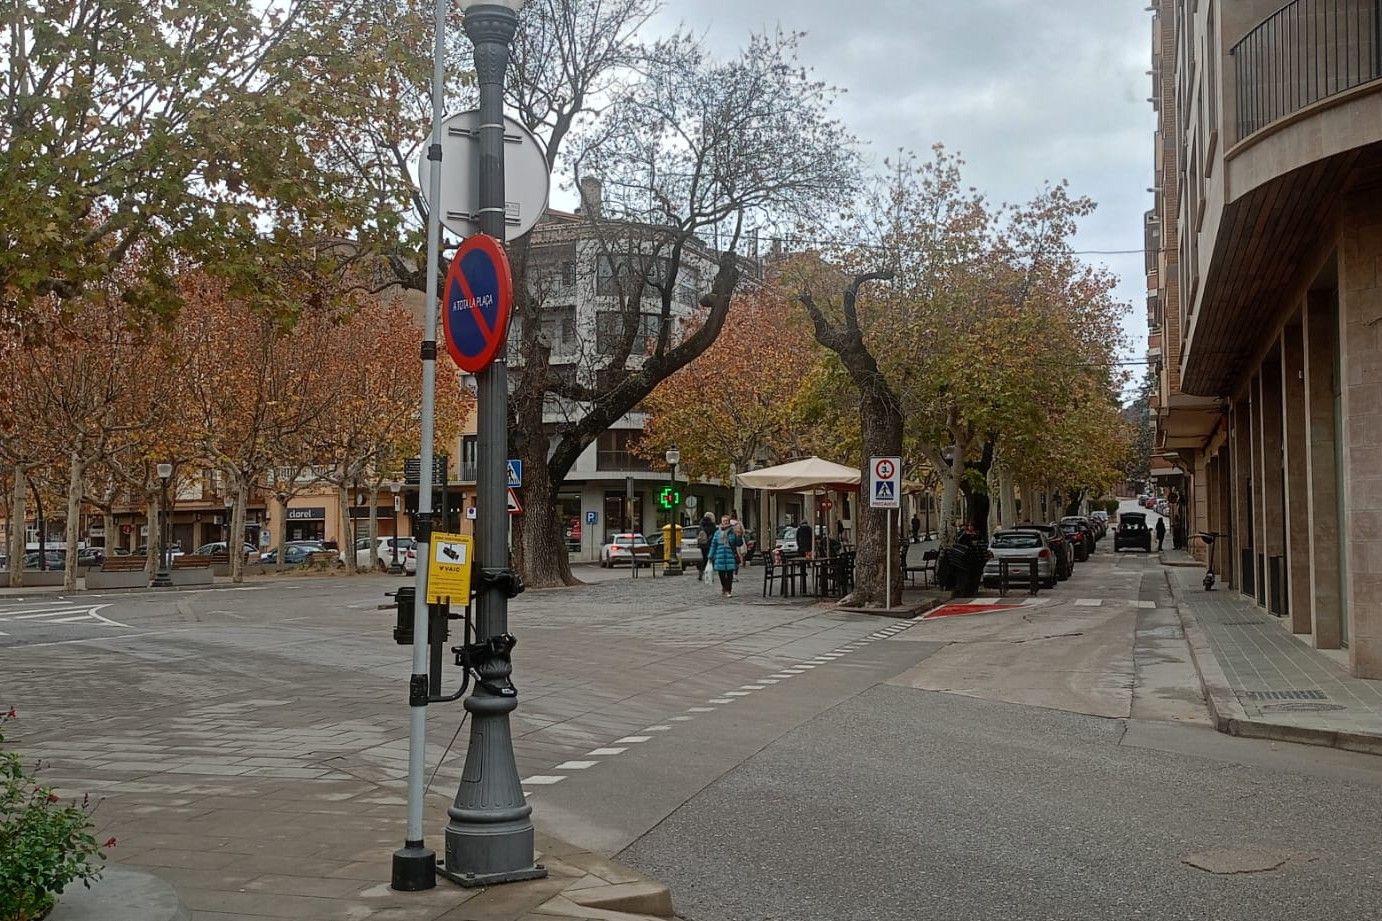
<point x="515" y="473"/>
<point x="592" y="517"/>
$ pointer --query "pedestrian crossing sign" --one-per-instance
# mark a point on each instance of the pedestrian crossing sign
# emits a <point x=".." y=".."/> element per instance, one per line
<point x="885" y="482"/>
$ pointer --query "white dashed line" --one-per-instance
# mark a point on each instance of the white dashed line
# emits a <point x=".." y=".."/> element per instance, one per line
<point x="680" y="719"/>
<point x="700" y="709"/>
<point x="1088" y="602"/>
<point x="766" y="681"/>
<point x="736" y="693"/>
<point x="575" y="765"/>
<point x="750" y="687"/>
<point x="721" y="700"/>
<point x="607" y="751"/>
<point x="626" y="740"/>
<point x="658" y="728"/>
<point x="1146" y="604"/>
<point x="544" y="780"/>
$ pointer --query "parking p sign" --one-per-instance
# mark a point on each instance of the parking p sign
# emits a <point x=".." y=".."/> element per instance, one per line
<point x="885" y="482"/>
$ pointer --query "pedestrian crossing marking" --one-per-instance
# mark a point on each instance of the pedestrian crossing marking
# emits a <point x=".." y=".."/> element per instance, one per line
<point x="1089" y="602"/>
<point x="60" y="612"/>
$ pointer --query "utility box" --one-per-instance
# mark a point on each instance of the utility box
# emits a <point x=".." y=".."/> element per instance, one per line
<point x="438" y="631"/>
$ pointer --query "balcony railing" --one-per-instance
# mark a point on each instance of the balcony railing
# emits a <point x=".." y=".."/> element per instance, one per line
<point x="1304" y="52"/>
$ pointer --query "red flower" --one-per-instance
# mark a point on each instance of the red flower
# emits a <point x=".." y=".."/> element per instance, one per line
<point x="110" y="842"/>
<point x="53" y="797"/>
<point x="12" y="714"/>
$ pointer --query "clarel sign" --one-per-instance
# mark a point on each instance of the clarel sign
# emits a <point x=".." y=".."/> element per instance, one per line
<point x="479" y="296"/>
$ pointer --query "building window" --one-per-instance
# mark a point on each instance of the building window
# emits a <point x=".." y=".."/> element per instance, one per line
<point x="616" y="275"/>
<point x="615" y="451"/>
<point x="610" y="328"/>
<point x="558" y="325"/>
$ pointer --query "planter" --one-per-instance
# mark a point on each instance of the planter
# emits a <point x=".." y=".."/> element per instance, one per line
<point x="34" y="577"/>
<point x="96" y="579"/>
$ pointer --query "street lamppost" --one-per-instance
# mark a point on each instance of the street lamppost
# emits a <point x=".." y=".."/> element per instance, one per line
<point x="163" y="579"/>
<point x="490" y="836"/>
<point x="232" y="546"/>
<point x="673" y="457"/>
<point x="395" y="488"/>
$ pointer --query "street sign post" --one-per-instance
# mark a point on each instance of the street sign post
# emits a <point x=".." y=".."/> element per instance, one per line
<point x="478" y="298"/>
<point x="515" y="473"/>
<point x="885" y="492"/>
<point x="526" y="180"/>
<point x="592" y="517"/>
<point x="514" y="507"/>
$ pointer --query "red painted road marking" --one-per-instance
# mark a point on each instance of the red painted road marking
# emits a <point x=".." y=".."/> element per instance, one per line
<point x="960" y="610"/>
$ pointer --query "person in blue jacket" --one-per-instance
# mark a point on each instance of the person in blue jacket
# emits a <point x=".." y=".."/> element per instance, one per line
<point x="724" y="554"/>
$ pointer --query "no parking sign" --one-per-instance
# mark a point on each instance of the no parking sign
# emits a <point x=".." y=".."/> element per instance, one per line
<point x="478" y="297"/>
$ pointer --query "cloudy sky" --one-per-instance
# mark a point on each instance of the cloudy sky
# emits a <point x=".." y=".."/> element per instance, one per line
<point x="1026" y="91"/>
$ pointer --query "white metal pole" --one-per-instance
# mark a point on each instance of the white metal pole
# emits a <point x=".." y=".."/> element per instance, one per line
<point x="414" y="866"/>
<point x="888" y="557"/>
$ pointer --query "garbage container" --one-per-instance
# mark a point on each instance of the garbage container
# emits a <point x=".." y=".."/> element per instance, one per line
<point x="671" y="542"/>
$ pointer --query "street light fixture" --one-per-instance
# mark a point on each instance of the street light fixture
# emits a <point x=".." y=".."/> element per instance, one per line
<point x="673" y="457"/>
<point x="394" y="566"/>
<point x="163" y="579"/>
<point x="490" y="836"/>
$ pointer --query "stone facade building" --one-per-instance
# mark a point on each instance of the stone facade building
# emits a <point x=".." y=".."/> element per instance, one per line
<point x="1264" y="247"/>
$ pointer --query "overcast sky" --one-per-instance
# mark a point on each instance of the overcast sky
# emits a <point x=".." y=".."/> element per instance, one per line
<point x="1026" y="91"/>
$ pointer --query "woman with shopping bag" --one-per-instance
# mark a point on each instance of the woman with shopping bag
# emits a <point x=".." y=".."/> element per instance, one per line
<point x="724" y="554"/>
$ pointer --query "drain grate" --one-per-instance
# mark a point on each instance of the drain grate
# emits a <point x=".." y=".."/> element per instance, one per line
<point x="1243" y="623"/>
<point x="1286" y="695"/>
<point x="1301" y="707"/>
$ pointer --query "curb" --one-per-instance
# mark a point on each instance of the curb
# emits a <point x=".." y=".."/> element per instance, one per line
<point x="599" y="887"/>
<point x="1228" y="715"/>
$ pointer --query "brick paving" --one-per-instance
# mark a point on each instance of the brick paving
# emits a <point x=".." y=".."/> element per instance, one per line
<point x="251" y="747"/>
<point x="1275" y="676"/>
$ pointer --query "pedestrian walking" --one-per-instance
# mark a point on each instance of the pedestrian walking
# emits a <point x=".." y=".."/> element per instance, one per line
<point x="1160" y="533"/>
<point x="724" y="555"/>
<point x="804" y="538"/>
<point x="916" y="530"/>
<point x="704" y="535"/>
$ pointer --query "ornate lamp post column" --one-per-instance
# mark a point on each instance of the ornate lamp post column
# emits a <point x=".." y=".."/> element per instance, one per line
<point x="163" y="578"/>
<point x="490" y="836"/>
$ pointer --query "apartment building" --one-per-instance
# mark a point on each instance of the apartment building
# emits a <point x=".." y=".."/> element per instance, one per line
<point x="1265" y="310"/>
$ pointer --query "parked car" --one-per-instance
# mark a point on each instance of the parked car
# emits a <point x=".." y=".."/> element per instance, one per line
<point x="295" y="553"/>
<point x="1132" y="532"/>
<point x="1061" y="547"/>
<point x="620" y="548"/>
<point x="91" y="556"/>
<point x="1086" y="529"/>
<point x="1078" y="538"/>
<point x="1020" y="547"/>
<point x="787" y="540"/>
<point x="219" y="546"/>
<point x="1163" y="508"/>
<point x="384" y="551"/>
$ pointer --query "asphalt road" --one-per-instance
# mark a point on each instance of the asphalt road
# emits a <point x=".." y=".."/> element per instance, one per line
<point x="904" y="804"/>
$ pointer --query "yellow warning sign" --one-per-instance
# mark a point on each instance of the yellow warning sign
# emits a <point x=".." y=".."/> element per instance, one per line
<point x="448" y="571"/>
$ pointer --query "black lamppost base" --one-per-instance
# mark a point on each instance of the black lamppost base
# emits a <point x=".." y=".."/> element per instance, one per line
<point x="414" y="868"/>
<point x="162" y="579"/>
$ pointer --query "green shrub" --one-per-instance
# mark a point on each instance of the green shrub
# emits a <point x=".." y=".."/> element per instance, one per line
<point x="45" y="843"/>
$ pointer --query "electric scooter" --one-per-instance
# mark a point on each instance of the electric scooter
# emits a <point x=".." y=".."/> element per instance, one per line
<point x="1209" y="537"/>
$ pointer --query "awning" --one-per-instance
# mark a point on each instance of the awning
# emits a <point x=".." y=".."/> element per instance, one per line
<point x="813" y="472"/>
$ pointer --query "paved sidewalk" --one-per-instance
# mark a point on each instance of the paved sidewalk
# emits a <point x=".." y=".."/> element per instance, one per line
<point x="1261" y="681"/>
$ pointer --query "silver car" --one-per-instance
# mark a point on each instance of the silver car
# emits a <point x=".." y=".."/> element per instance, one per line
<point x="1020" y="548"/>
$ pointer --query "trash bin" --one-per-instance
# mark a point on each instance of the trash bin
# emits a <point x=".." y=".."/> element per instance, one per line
<point x="671" y="541"/>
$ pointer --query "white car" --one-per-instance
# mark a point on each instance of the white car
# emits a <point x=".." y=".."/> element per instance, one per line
<point x="384" y="552"/>
<point x="621" y="548"/>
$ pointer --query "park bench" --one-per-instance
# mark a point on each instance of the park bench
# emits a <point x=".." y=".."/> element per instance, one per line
<point x="642" y="556"/>
<point x="192" y="561"/>
<point x="122" y="564"/>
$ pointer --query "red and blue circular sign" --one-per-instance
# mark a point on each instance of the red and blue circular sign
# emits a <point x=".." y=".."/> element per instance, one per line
<point x="476" y="303"/>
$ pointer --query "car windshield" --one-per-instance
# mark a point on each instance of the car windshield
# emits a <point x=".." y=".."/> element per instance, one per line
<point x="1016" y="540"/>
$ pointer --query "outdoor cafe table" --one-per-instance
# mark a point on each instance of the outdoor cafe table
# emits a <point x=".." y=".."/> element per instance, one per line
<point x="802" y="576"/>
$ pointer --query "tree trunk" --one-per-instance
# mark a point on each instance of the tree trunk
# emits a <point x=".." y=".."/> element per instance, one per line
<point x="539" y="539"/>
<point x="949" y="496"/>
<point x="881" y="427"/>
<point x="153" y="513"/>
<point x="738" y="493"/>
<point x="237" y="536"/>
<point x="347" y="538"/>
<point x="75" y="480"/>
<point x="373" y="530"/>
<point x="16" y="535"/>
<point x="280" y="534"/>
<point x="1007" y="497"/>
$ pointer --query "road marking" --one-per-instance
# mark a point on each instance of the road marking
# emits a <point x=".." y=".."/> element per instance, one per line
<point x="721" y="700"/>
<point x="575" y="765"/>
<point x="544" y="780"/>
<point x="1146" y="604"/>
<point x="658" y="728"/>
<point x="607" y="751"/>
<point x="736" y="693"/>
<point x="680" y="719"/>
<point x="1089" y="602"/>
<point x="626" y="740"/>
<point x="750" y="687"/>
<point x="806" y="665"/>
<point x="700" y="709"/>
<point x="766" y="681"/>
